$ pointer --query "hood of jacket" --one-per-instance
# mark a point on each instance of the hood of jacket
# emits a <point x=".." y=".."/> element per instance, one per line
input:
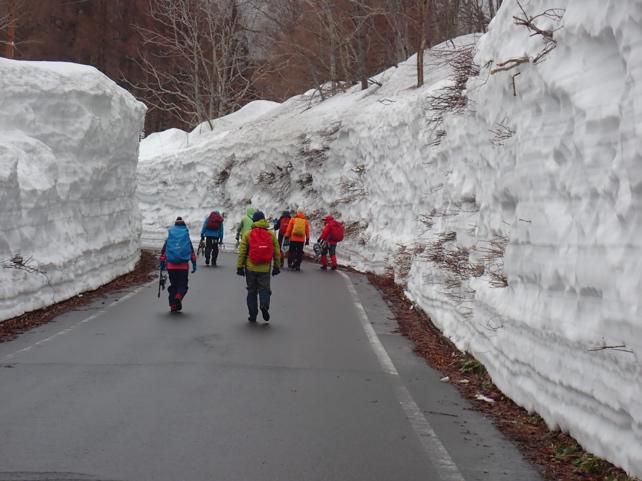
<point x="300" y="215"/>
<point x="250" y="211"/>
<point x="327" y="219"/>
<point x="261" y="223"/>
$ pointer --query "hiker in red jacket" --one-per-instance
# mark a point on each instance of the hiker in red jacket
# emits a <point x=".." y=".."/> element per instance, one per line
<point x="332" y="234"/>
<point x="281" y="226"/>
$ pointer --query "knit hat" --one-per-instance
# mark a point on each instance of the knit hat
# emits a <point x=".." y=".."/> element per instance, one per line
<point x="179" y="221"/>
<point x="258" y="215"/>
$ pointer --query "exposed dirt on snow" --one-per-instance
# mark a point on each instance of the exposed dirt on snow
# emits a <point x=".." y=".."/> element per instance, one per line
<point x="557" y="454"/>
<point x="143" y="272"/>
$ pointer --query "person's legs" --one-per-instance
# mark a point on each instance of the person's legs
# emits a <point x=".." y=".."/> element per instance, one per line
<point x="181" y="276"/>
<point x="208" y="250"/>
<point x="214" y="248"/>
<point x="251" y="280"/>
<point x="333" y="255"/>
<point x="324" y="257"/>
<point x="171" y="290"/>
<point x="263" y="283"/>
<point x="297" y="255"/>
<point x="290" y="256"/>
<point x="281" y="244"/>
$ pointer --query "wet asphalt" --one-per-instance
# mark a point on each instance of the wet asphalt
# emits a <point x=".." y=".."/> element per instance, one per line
<point x="124" y="390"/>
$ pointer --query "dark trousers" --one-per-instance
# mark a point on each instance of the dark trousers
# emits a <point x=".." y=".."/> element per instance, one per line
<point x="331" y="248"/>
<point x="296" y="251"/>
<point x="258" y="283"/>
<point x="177" y="284"/>
<point x="283" y="243"/>
<point x="211" y="249"/>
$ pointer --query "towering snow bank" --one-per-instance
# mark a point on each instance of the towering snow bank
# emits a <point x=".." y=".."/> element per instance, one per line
<point x="68" y="156"/>
<point x="550" y="170"/>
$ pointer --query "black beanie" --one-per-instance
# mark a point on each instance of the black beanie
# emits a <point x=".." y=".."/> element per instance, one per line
<point x="258" y="215"/>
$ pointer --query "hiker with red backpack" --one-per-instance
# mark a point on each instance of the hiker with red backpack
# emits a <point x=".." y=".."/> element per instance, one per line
<point x="298" y="232"/>
<point x="258" y="251"/>
<point x="281" y="226"/>
<point x="176" y="254"/>
<point x="332" y="234"/>
<point x="212" y="232"/>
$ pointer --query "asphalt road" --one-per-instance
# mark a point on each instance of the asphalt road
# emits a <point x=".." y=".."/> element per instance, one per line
<point x="124" y="390"/>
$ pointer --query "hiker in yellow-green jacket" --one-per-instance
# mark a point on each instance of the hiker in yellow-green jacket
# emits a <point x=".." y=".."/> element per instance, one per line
<point x="259" y="251"/>
<point x="245" y="225"/>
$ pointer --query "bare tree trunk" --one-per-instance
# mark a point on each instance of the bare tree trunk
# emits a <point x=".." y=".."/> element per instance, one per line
<point x="361" y="19"/>
<point x="423" y="7"/>
<point x="491" y="8"/>
<point x="10" y="47"/>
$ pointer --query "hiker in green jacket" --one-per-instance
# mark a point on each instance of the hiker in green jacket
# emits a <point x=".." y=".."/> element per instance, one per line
<point x="245" y="225"/>
<point x="259" y="250"/>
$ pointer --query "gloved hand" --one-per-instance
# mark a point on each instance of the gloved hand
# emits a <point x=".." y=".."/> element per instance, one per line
<point x="240" y="272"/>
<point x="276" y="271"/>
<point x="220" y="241"/>
<point x="202" y="238"/>
<point x="162" y="265"/>
<point x="307" y="242"/>
<point x="193" y="267"/>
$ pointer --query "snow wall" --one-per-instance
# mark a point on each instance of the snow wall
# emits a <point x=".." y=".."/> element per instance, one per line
<point x="69" y="141"/>
<point x="515" y="221"/>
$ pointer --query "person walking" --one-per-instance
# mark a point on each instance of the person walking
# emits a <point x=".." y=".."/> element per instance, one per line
<point x="298" y="232"/>
<point x="212" y="231"/>
<point x="175" y="256"/>
<point x="245" y="225"/>
<point x="281" y="226"/>
<point x="259" y="249"/>
<point x="332" y="234"/>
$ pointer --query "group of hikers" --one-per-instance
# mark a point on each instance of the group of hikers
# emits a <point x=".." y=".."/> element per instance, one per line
<point x="261" y="252"/>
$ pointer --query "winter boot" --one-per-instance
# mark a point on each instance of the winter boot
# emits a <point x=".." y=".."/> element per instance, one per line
<point x="334" y="262"/>
<point x="266" y="314"/>
<point x="324" y="263"/>
<point x="179" y="302"/>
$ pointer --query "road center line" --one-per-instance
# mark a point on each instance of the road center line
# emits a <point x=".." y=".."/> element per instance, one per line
<point x="67" y="330"/>
<point x="433" y="447"/>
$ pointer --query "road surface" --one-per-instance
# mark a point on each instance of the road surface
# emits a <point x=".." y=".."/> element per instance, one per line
<point x="124" y="390"/>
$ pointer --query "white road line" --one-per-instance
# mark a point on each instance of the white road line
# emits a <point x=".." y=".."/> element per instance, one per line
<point x="73" y="326"/>
<point x="434" y="448"/>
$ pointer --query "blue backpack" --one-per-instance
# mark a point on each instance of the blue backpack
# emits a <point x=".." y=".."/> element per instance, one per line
<point x="179" y="246"/>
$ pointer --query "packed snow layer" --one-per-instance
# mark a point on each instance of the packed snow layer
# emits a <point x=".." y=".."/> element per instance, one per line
<point x="69" y="141"/>
<point x="515" y="223"/>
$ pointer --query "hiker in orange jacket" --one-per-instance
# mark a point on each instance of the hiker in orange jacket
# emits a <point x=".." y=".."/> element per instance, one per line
<point x="298" y="232"/>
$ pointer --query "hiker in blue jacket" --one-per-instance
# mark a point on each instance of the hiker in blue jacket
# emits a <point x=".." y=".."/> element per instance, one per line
<point x="212" y="232"/>
<point x="176" y="254"/>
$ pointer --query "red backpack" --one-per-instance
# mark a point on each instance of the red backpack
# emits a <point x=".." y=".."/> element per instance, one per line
<point x="283" y="226"/>
<point x="336" y="231"/>
<point x="214" y="221"/>
<point x="261" y="246"/>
